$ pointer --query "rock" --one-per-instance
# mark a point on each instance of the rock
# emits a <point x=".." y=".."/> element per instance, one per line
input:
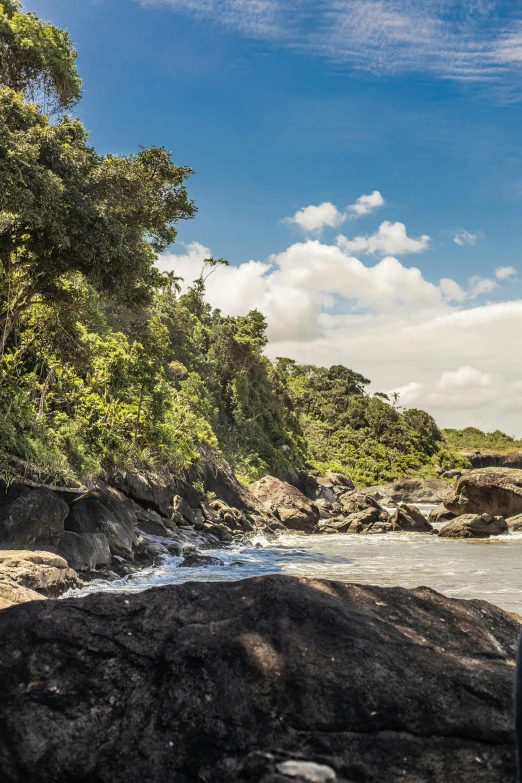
<point x="359" y="501"/>
<point x="287" y="503"/>
<point x="44" y="572"/>
<point x="474" y="526"/>
<point x="180" y="506"/>
<point x="86" y="551"/>
<point x="200" y="561"/>
<point x="31" y="518"/>
<point x="367" y="521"/>
<point x="491" y="459"/>
<point x="451" y="474"/>
<point x="515" y="523"/>
<point x="340" y="481"/>
<point x="409" y="519"/>
<point x="496" y="491"/>
<point x="218" y="478"/>
<point x="146" y="490"/>
<point x="410" y="490"/>
<point x="105" y="511"/>
<point x="440" y="514"/>
<point x="11" y="593"/>
<point x="281" y="767"/>
<point x="318" y="489"/>
<point x="182" y="682"/>
<point x="152" y="523"/>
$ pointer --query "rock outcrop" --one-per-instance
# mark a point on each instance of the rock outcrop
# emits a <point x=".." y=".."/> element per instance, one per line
<point x="31" y="518"/>
<point x="185" y="682"/>
<point x="495" y="491"/>
<point x="474" y="526"/>
<point x="287" y="503"/>
<point x="515" y="523"/>
<point x="410" y="490"/>
<point x="85" y="552"/>
<point x="105" y="511"/>
<point x="440" y="514"/>
<point x="24" y="573"/>
<point x="492" y="459"/>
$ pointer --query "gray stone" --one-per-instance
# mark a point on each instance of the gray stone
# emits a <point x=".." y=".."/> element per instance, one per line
<point x="86" y="551"/>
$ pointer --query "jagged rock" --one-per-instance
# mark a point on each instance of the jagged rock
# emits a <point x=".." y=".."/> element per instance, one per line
<point x="487" y="491"/>
<point x="151" y="549"/>
<point x="440" y="514"/>
<point x="31" y="518"/>
<point x="287" y="503"/>
<point x="144" y="489"/>
<point x="182" y="682"/>
<point x="11" y="593"/>
<point x="409" y="519"/>
<point x="105" y="510"/>
<point x="474" y="526"/>
<point x="86" y="551"/>
<point x="44" y="572"/>
<point x="318" y="488"/>
<point x="180" y="506"/>
<point x="200" y="561"/>
<point x="515" y="523"/>
<point x="152" y="523"/>
<point x="410" y="490"/>
<point x="218" y="478"/>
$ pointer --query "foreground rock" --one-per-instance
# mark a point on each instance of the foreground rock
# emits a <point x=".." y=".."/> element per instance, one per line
<point x="410" y="520"/>
<point x="410" y="490"/>
<point x="474" y="526"/>
<point x="182" y="683"/>
<point x="287" y="503"/>
<point x="28" y="576"/>
<point x="487" y="491"/>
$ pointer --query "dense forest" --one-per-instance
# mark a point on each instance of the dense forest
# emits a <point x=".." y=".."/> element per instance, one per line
<point x="102" y="360"/>
<point x="471" y="439"/>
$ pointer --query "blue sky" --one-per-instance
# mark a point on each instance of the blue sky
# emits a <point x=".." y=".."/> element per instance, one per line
<point x="280" y="106"/>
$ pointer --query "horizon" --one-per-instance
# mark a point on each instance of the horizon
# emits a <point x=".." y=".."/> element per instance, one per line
<point x="365" y="186"/>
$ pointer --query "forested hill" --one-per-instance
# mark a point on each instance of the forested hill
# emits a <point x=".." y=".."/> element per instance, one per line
<point x="102" y="361"/>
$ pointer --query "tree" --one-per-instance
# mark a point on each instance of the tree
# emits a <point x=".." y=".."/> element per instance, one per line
<point x="64" y="209"/>
<point x="37" y="58"/>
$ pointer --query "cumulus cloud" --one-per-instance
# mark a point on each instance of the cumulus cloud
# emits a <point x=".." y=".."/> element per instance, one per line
<point x="505" y="272"/>
<point x="426" y="340"/>
<point x="366" y="204"/>
<point x="480" y="285"/>
<point x="390" y="238"/>
<point x="464" y="40"/>
<point x="313" y="219"/>
<point x="463" y="237"/>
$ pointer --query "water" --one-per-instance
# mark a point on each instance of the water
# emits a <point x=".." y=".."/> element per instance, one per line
<point x="489" y="569"/>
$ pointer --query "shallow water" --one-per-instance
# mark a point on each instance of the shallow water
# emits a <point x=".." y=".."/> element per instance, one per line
<point x="489" y="569"/>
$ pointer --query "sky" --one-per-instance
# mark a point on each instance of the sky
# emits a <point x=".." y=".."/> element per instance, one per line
<point x="359" y="162"/>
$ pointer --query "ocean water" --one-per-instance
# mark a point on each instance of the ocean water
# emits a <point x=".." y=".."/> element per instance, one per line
<point x="490" y="569"/>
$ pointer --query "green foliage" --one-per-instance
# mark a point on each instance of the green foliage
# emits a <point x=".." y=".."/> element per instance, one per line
<point x="36" y="58"/>
<point x="471" y="439"/>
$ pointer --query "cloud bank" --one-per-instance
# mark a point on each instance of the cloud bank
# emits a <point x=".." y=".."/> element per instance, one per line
<point x="467" y="40"/>
<point x="431" y="341"/>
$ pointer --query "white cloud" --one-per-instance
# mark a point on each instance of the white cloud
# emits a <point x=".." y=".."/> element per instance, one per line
<point x="480" y="285"/>
<point x="366" y="204"/>
<point x="390" y="238"/>
<point x="464" y="378"/>
<point x="463" y="237"/>
<point x="505" y="272"/>
<point x="313" y="219"/>
<point x="456" y="39"/>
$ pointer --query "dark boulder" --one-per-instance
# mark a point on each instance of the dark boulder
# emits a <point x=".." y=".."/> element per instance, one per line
<point x="146" y="490"/>
<point x="474" y="526"/>
<point x="105" y="511"/>
<point x="496" y="491"/>
<point x="31" y="518"/>
<point x="409" y="519"/>
<point x="359" y="501"/>
<point x="85" y="552"/>
<point x="196" y="560"/>
<point x="367" y="521"/>
<point x="181" y="683"/>
<point x="440" y="514"/>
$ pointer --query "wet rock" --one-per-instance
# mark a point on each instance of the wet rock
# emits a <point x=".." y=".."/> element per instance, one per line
<point x="31" y="518"/>
<point x="105" y="511"/>
<point x="440" y="514"/>
<point x="367" y="521"/>
<point x="182" y="683"/>
<point x="474" y="526"/>
<point x="410" y="490"/>
<point x="515" y="523"/>
<point x="44" y="572"/>
<point x="200" y="561"/>
<point x="496" y="491"/>
<point x="409" y="519"/>
<point x="287" y="503"/>
<point x="86" y="551"/>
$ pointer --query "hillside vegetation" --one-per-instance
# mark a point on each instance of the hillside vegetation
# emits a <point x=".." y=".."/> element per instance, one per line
<point x="102" y="360"/>
<point x="473" y="439"/>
